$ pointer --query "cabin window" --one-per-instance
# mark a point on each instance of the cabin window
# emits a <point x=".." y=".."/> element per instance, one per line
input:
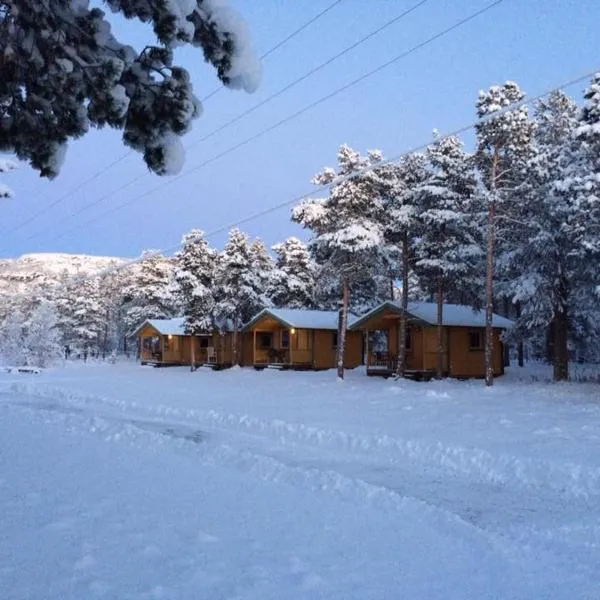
<point x="166" y="343"/>
<point x="265" y="340"/>
<point x="204" y="342"/>
<point x="285" y="338"/>
<point x="408" y="339"/>
<point x="151" y="344"/>
<point x="334" y="339"/>
<point x="475" y="340"/>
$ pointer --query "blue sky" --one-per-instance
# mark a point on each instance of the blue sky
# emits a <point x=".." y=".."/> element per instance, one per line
<point x="537" y="43"/>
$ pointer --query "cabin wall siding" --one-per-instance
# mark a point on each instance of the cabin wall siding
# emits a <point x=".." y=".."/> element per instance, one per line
<point x="465" y="362"/>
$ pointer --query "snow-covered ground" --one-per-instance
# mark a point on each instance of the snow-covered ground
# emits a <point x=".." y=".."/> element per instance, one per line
<point x="120" y="481"/>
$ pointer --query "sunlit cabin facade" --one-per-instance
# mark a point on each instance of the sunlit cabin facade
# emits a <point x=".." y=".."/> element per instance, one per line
<point x="298" y="339"/>
<point x="463" y="339"/>
<point x="163" y="342"/>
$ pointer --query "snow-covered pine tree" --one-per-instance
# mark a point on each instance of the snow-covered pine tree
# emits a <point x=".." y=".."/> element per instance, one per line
<point x="87" y="316"/>
<point x="41" y="344"/>
<point x="293" y="279"/>
<point x="12" y="339"/>
<point x="194" y="279"/>
<point x="63" y="71"/>
<point x="347" y="240"/>
<point x="149" y="294"/>
<point x="397" y="184"/>
<point x="448" y="250"/>
<point x="6" y="165"/>
<point x="264" y="267"/>
<point x="238" y="287"/>
<point x="503" y="146"/>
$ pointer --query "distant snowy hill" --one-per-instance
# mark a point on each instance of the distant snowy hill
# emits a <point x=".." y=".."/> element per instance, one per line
<point x="18" y="275"/>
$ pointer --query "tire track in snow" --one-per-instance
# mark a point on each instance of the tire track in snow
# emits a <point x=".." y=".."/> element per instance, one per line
<point x="360" y="490"/>
<point x="566" y="479"/>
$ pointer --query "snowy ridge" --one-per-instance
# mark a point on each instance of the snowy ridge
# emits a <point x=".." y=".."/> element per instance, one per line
<point x="569" y="479"/>
<point x="18" y="274"/>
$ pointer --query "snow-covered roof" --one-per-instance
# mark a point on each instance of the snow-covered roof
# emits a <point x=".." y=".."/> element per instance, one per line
<point x="301" y="318"/>
<point x="174" y="326"/>
<point x="454" y="315"/>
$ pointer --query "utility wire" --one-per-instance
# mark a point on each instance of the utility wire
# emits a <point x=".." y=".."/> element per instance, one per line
<point x="285" y="120"/>
<point x="239" y="117"/>
<point x="60" y="199"/>
<point x="343" y="178"/>
<point x="310" y="73"/>
<point x="95" y="175"/>
<point x="284" y="41"/>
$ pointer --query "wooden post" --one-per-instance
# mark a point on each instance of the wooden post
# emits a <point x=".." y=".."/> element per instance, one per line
<point x="290" y="344"/>
<point x="254" y="347"/>
<point x="367" y="349"/>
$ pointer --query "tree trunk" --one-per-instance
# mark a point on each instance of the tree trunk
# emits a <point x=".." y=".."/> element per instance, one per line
<point x="401" y="364"/>
<point x="520" y="353"/>
<point x="342" y="324"/>
<point x="234" y="343"/>
<point x="561" y="349"/>
<point x="489" y="278"/>
<point x="192" y="354"/>
<point x="506" y="311"/>
<point x="440" y="328"/>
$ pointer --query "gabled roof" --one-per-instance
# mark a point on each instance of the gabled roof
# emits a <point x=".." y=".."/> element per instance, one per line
<point x="301" y="318"/>
<point x="174" y="326"/>
<point x="454" y="315"/>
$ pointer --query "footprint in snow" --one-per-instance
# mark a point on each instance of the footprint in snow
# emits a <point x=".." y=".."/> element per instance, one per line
<point x="206" y="538"/>
<point x="87" y="561"/>
<point x="151" y="551"/>
<point x="305" y="578"/>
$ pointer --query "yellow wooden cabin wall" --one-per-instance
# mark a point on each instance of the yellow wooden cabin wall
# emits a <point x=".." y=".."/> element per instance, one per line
<point x="465" y="362"/>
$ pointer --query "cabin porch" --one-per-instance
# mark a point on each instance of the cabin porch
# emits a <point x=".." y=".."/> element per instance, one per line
<point x="160" y="350"/>
<point x="274" y="346"/>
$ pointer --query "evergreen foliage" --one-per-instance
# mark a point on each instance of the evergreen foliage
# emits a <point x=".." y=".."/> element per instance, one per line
<point x="63" y="71"/>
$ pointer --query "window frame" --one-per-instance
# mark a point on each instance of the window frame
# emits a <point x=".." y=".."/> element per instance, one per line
<point x="480" y="346"/>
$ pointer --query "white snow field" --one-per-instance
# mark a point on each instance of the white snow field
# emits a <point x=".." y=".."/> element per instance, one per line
<point x="128" y="482"/>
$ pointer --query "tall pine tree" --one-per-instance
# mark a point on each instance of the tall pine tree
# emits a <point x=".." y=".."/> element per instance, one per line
<point x="448" y="248"/>
<point x="348" y="236"/>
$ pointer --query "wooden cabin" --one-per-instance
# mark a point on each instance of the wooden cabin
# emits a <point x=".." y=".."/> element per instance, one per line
<point x="163" y="342"/>
<point x="463" y="337"/>
<point x="298" y="339"/>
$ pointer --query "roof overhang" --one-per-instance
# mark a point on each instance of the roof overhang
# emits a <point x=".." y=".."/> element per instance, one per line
<point x="265" y="312"/>
<point x="146" y="323"/>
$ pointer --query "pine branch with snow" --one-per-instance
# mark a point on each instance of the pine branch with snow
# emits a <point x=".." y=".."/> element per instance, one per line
<point x="63" y="71"/>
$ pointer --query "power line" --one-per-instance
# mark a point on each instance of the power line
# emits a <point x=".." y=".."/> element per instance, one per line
<point x="284" y="41"/>
<point x="272" y="97"/>
<point x="310" y="73"/>
<point x="95" y="175"/>
<point x="341" y="179"/>
<point x="60" y="199"/>
<point x="289" y="118"/>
